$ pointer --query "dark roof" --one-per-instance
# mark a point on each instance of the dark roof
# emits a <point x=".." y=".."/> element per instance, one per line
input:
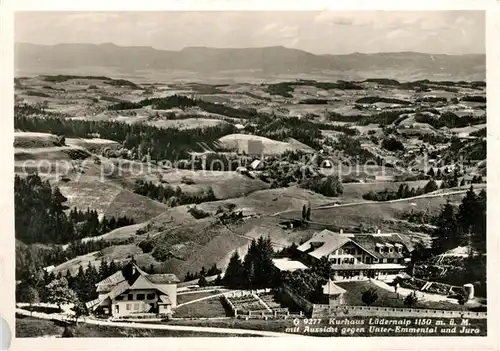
<point x="131" y="277"/>
<point x="325" y="242"/>
<point x="112" y="280"/>
<point x="163" y="278"/>
<point x="368" y="243"/>
<point x="330" y="242"/>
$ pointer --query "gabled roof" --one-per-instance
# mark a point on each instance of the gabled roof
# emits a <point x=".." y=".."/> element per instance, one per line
<point x="116" y="284"/>
<point x="119" y="289"/>
<point x="255" y="163"/>
<point x="322" y="236"/>
<point x="142" y="283"/>
<point x="330" y="288"/>
<point x="325" y="242"/>
<point x="165" y="299"/>
<point x="114" y="278"/>
<point x="332" y="243"/>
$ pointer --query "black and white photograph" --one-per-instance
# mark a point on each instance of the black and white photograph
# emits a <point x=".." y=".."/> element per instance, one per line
<point x="250" y="174"/>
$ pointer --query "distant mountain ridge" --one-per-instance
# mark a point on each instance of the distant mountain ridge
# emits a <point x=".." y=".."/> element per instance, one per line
<point x="263" y="61"/>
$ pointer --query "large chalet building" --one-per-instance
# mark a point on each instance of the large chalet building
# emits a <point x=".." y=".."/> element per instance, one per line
<point x="358" y="256"/>
<point x="131" y="291"/>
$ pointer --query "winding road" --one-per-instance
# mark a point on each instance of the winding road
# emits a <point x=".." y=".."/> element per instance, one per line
<point x="214" y="330"/>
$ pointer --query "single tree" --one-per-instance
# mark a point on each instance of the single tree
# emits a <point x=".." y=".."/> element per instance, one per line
<point x="218" y="280"/>
<point x="430" y="186"/>
<point x="79" y="309"/>
<point x="369" y="296"/>
<point x="32" y="297"/>
<point x="234" y="271"/>
<point x="462" y="298"/>
<point x="59" y="293"/>
<point x="68" y="332"/>
<point x="308" y="212"/>
<point x="202" y="281"/>
<point x="411" y="299"/>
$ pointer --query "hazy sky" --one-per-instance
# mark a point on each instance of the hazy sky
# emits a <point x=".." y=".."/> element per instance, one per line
<point x="449" y="32"/>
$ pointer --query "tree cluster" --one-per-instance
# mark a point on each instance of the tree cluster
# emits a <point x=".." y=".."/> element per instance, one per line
<point x="327" y="186"/>
<point x="40" y="215"/>
<point x="158" y="143"/>
<point x="307" y="284"/>
<point x="449" y="119"/>
<point x="352" y="148"/>
<point x="403" y="192"/>
<point x="462" y="226"/>
<point x="180" y="101"/>
<point x="256" y="270"/>
<point x="392" y="144"/>
<point x="170" y="196"/>
<point x="65" y="288"/>
<point x="214" y="270"/>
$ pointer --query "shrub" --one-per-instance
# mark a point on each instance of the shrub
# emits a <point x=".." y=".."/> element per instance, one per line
<point x="392" y="144"/>
<point x="328" y="186"/>
<point x="411" y="299"/>
<point x="197" y="213"/>
<point x="202" y="281"/>
<point x="369" y="296"/>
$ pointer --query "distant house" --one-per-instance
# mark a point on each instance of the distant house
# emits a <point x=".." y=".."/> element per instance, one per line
<point x="132" y="291"/>
<point x="257" y="164"/>
<point x="326" y="164"/>
<point x="358" y="256"/>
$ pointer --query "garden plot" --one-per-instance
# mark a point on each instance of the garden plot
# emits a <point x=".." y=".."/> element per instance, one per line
<point x="247" y="303"/>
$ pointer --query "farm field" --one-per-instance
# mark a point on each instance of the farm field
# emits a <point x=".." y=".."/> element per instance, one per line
<point x="133" y="148"/>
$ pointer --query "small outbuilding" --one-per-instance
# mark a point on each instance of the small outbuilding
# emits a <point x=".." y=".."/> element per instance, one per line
<point x="334" y="292"/>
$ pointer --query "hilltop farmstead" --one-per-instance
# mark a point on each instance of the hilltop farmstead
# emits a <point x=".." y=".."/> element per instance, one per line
<point x="359" y="256"/>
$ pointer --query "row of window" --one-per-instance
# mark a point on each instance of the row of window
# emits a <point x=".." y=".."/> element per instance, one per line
<point x="389" y="249"/>
<point x="132" y="306"/>
<point x="130" y="297"/>
<point x="355" y="251"/>
<point x="368" y="260"/>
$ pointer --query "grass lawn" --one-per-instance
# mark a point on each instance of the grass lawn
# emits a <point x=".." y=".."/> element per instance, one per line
<point x="388" y="298"/>
<point x="33" y="327"/>
<point x="203" y="309"/>
<point x="183" y="298"/>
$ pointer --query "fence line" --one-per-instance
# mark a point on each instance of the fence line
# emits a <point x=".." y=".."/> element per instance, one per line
<point x="322" y="310"/>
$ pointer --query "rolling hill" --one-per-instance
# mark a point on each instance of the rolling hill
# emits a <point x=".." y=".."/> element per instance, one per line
<point x="263" y="62"/>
